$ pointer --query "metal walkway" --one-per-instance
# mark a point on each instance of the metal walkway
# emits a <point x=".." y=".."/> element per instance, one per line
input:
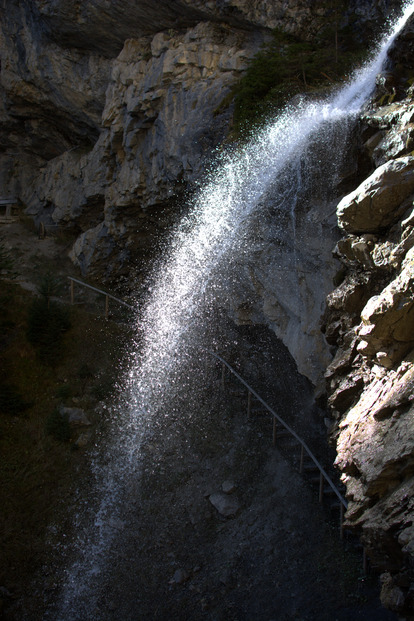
<point x="326" y="485"/>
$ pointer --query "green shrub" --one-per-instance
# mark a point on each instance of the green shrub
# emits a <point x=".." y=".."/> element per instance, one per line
<point x="11" y="401"/>
<point x="48" y="286"/>
<point x="64" y="392"/>
<point x="287" y="66"/>
<point x="47" y="321"/>
<point x="57" y="426"/>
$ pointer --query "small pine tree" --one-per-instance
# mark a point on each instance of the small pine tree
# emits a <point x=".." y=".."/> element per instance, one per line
<point x="57" y="426"/>
<point x="47" y="321"/>
<point x="287" y="66"/>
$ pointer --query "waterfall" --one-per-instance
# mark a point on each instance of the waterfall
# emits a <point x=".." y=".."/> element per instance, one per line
<point x="172" y="327"/>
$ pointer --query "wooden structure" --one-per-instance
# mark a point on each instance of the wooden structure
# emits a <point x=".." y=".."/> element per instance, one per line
<point x="9" y="208"/>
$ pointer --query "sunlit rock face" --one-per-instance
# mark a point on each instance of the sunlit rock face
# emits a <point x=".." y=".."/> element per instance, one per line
<point x="109" y="111"/>
<point x="161" y="120"/>
<point x="378" y="202"/>
<point x="370" y="319"/>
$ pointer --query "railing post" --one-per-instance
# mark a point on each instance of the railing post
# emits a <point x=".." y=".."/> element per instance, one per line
<point x="321" y="487"/>
<point x="72" y="292"/>
<point x="364" y="561"/>
<point x="249" y="403"/>
<point x="107" y="295"/>
<point x="341" y="521"/>
<point x="302" y="455"/>
<point x="304" y="448"/>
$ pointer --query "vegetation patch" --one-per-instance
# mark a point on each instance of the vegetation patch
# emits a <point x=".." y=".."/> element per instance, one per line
<point x="11" y="400"/>
<point x="57" y="425"/>
<point x="47" y="321"/>
<point x="287" y="66"/>
<point x="38" y="467"/>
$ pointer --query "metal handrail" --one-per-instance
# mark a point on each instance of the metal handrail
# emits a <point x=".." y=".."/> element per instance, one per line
<point x="288" y="428"/>
<point x="107" y="295"/>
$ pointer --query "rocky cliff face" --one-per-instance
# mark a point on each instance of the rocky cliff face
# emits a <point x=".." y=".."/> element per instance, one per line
<point x="158" y="126"/>
<point x="288" y="270"/>
<point x="370" y="320"/>
<point x="98" y="141"/>
<point x="110" y="111"/>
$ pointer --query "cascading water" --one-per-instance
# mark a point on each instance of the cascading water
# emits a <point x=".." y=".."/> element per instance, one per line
<point x="172" y="326"/>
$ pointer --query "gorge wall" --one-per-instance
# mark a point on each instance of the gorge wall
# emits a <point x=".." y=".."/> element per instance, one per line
<point x="111" y="112"/>
<point x="369" y="319"/>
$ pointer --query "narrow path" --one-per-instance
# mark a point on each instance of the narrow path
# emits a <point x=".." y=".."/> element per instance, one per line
<point x="287" y="432"/>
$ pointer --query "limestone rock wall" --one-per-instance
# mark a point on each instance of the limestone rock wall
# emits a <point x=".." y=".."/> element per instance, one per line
<point x="51" y="99"/>
<point x="160" y="122"/>
<point x="370" y="321"/>
<point x="110" y="110"/>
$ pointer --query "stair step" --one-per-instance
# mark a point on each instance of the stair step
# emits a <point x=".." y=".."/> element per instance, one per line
<point x="330" y="492"/>
<point x="311" y="468"/>
<point x="314" y="479"/>
<point x="236" y="393"/>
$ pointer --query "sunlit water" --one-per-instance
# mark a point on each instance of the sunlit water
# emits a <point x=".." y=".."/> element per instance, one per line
<point x="172" y="328"/>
